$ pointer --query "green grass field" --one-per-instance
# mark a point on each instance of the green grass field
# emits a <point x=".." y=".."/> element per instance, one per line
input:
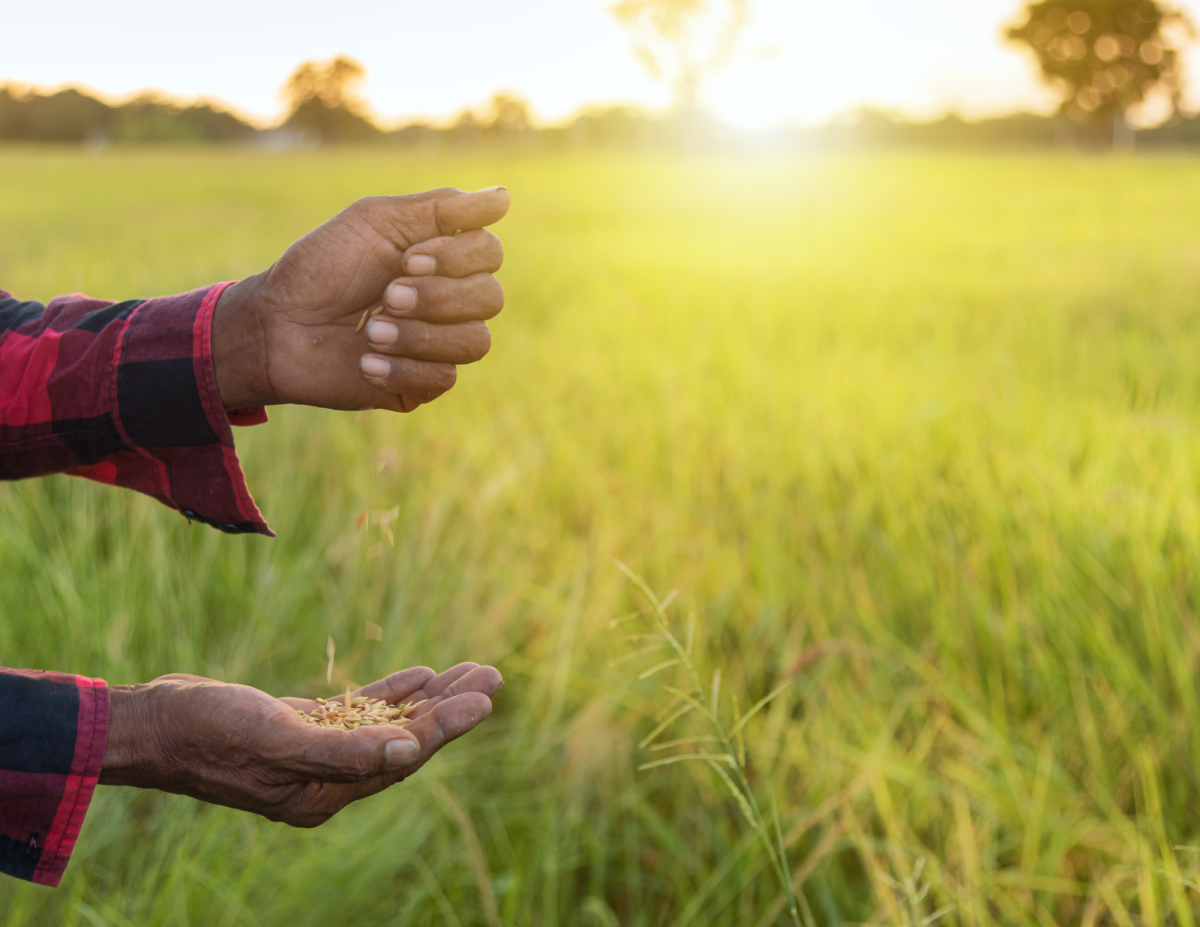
<point x="919" y="433"/>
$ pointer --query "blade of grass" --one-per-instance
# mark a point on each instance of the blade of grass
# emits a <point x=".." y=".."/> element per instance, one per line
<point x="760" y="705"/>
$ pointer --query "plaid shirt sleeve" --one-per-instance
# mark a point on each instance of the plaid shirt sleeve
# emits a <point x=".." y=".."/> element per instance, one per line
<point x="53" y="733"/>
<point x="125" y="394"/>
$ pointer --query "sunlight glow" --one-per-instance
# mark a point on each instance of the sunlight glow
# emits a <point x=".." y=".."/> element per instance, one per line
<point x="800" y="61"/>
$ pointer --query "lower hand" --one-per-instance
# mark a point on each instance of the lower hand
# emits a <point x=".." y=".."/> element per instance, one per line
<point x="236" y="746"/>
<point x="293" y="334"/>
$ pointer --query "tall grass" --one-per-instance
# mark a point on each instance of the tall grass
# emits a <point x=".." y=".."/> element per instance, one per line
<point x="916" y="435"/>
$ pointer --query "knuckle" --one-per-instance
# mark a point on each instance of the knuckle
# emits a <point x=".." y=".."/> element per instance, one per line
<point x="441" y="737"/>
<point x="483" y="342"/>
<point x="403" y="369"/>
<point x="422" y="338"/>
<point x="364" y="206"/>
<point x="440" y="222"/>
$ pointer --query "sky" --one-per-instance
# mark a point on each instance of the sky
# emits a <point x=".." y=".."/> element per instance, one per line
<point x="800" y="61"/>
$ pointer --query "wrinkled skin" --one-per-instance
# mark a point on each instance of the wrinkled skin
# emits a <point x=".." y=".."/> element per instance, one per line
<point x="290" y="334"/>
<point x="234" y="745"/>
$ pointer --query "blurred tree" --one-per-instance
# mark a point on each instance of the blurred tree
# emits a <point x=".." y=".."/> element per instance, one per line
<point x="1105" y="56"/>
<point x="321" y="99"/>
<point x="509" y="112"/>
<point x="72" y="116"/>
<point x="683" y="41"/>
<point x="332" y="82"/>
<point x="151" y="118"/>
<point x="466" y="132"/>
<point x="66" y="116"/>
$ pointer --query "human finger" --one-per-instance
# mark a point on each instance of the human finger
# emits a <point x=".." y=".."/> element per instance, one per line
<point x="451" y="707"/>
<point x="398" y="686"/>
<point x="326" y="754"/>
<point x="459" y="343"/>
<point x="446" y="721"/>
<point x="393" y="688"/>
<point x="443" y="680"/>
<point x="405" y="681"/>
<point x="396" y="377"/>
<point x="483" y="679"/>
<point x="468" y="211"/>
<point x="413" y="684"/>
<point x="444" y="299"/>
<point x="474" y="252"/>
<point x="407" y="220"/>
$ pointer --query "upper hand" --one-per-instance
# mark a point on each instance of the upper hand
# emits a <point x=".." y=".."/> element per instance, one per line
<point x="292" y="333"/>
<point x="234" y="745"/>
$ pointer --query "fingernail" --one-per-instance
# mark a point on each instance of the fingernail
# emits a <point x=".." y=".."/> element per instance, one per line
<point x="421" y="265"/>
<point x="492" y="190"/>
<point x="401" y="752"/>
<point x="401" y="297"/>
<point x="374" y="366"/>
<point x="382" y="332"/>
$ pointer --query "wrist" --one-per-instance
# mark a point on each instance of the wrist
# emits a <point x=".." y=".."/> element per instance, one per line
<point x="239" y="347"/>
<point x="129" y="756"/>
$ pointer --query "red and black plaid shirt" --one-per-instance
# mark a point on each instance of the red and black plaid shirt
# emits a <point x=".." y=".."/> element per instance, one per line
<point x="125" y="394"/>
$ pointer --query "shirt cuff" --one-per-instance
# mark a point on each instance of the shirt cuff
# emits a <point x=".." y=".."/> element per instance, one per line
<point x="54" y="735"/>
<point x="168" y="410"/>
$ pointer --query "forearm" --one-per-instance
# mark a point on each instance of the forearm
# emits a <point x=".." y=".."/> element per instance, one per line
<point x="131" y="738"/>
<point x="239" y="347"/>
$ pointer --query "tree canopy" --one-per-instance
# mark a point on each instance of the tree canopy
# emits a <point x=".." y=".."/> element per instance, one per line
<point x="1105" y="56"/>
<point x="322" y="99"/>
<point x="683" y="41"/>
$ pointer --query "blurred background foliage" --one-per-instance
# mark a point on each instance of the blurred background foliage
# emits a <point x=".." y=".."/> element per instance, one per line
<point x="1104" y="58"/>
<point x="913" y="435"/>
<point x="916" y="433"/>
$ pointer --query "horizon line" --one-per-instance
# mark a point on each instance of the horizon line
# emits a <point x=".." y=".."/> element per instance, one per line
<point x="24" y="89"/>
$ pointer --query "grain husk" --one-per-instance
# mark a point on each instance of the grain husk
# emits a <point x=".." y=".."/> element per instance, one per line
<point x="348" y="713"/>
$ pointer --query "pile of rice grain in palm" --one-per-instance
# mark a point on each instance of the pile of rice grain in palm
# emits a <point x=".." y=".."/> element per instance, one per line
<point x="349" y="713"/>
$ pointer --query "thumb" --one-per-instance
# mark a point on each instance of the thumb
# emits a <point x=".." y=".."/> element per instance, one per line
<point x="335" y="755"/>
<point x="408" y="220"/>
<point x="466" y="211"/>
